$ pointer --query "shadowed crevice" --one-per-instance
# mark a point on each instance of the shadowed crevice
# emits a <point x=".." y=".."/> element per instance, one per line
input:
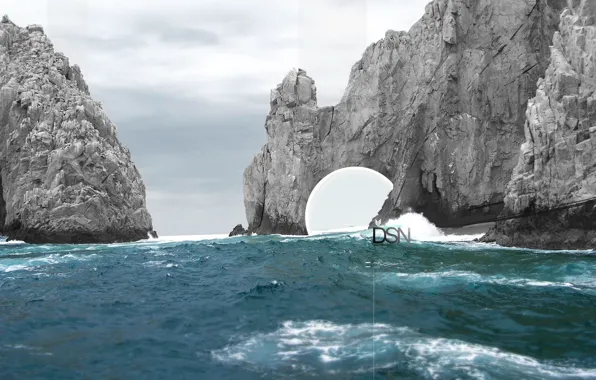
<point x="2" y="207"/>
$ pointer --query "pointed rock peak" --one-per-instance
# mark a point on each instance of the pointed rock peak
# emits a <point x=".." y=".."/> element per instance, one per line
<point x="6" y="20"/>
<point x="297" y="88"/>
<point x="297" y="72"/>
<point x="293" y="75"/>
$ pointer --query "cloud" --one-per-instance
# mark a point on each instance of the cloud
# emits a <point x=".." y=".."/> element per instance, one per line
<point x="189" y="36"/>
<point x="187" y="82"/>
<point x="190" y="46"/>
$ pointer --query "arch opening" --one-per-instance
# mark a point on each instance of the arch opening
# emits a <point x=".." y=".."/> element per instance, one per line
<point x="348" y="198"/>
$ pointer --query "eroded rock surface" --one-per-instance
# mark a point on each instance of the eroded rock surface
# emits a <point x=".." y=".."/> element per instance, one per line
<point x="439" y="110"/>
<point x="557" y="163"/>
<point x="65" y="178"/>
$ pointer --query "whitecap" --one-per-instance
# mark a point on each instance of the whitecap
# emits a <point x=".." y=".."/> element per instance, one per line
<point x="12" y="242"/>
<point x="440" y="278"/>
<point x="28" y="264"/>
<point x="185" y="238"/>
<point x="325" y="347"/>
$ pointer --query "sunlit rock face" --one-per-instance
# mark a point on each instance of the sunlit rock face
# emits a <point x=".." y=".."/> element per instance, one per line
<point x="439" y="110"/>
<point x="65" y="178"/>
<point x="557" y="164"/>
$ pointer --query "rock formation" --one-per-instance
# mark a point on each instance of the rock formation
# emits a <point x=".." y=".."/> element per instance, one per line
<point x="64" y="177"/>
<point x="438" y="110"/>
<point x="557" y="161"/>
<point x="238" y="230"/>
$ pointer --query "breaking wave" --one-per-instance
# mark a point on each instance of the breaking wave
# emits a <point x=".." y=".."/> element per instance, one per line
<point x="315" y="347"/>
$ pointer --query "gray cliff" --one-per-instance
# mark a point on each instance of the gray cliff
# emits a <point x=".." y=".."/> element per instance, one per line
<point x="439" y="110"/>
<point x="65" y="178"/>
<point x="557" y="161"/>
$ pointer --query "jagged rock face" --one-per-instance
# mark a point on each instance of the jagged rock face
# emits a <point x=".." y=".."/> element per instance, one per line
<point x="557" y="164"/>
<point x="438" y="110"/>
<point x="65" y="178"/>
<point x="276" y="183"/>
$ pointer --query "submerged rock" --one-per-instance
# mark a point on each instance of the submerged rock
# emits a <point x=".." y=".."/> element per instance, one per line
<point x="557" y="161"/>
<point x="438" y="110"/>
<point x="64" y="176"/>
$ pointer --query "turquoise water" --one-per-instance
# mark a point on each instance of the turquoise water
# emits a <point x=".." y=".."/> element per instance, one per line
<point x="335" y="307"/>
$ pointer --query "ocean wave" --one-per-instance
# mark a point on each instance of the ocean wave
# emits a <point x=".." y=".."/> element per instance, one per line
<point x="36" y="262"/>
<point x="441" y="278"/>
<point x="316" y="347"/>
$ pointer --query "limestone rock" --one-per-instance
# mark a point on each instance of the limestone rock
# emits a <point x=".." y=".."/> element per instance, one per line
<point x="64" y="177"/>
<point x="557" y="161"/>
<point x="438" y="110"/>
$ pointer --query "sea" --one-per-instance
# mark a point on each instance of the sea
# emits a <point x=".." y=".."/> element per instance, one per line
<point x="328" y="306"/>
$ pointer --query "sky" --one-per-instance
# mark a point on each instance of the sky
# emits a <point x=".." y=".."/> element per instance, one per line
<point x="187" y="82"/>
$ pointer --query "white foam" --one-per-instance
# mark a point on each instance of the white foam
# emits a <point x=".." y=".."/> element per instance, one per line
<point x="346" y="348"/>
<point x="155" y="263"/>
<point x="438" y="279"/>
<point x="13" y="268"/>
<point x="420" y="227"/>
<point x="183" y="238"/>
<point x="12" y="242"/>
<point x="453" y="238"/>
<point x="29" y="264"/>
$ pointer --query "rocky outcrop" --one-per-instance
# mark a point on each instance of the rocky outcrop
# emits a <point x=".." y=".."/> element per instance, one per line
<point x="557" y="161"/>
<point x="64" y="177"/>
<point x="238" y="230"/>
<point x="438" y="110"/>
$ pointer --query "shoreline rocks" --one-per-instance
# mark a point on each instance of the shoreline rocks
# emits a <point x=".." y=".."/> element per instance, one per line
<point x="557" y="164"/>
<point x="64" y="176"/>
<point x="238" y="230"/>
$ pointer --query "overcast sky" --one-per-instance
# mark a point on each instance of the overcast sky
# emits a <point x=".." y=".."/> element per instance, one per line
<point x="187" y="82"/>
